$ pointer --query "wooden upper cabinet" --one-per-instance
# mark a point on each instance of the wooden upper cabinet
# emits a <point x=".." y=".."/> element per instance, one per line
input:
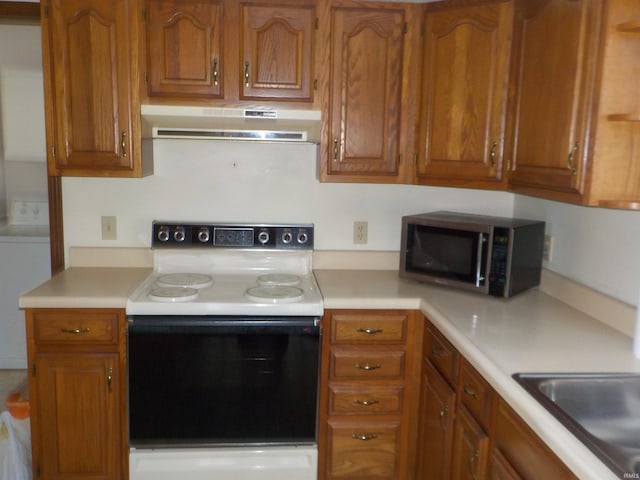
<point x="92" y="111"/>
<point x="366" y="55"/>
<point x="555" y="57"/>
<point x="277" y="51"/>
<point x="184" y="48"/>
<point x="204" y="50"/>
<point x="464" y="95"/>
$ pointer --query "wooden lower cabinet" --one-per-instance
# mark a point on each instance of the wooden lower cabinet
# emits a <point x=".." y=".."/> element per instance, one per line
<point x="470" y="448"/>
<point x="520" y="448"/>
<point x="368" y="400"/>
<point x="77" y="393"/>
<point x="467" y="431"/>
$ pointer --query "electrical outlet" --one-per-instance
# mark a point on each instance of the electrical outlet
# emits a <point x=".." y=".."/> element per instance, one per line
<point x="360" y="233"/>
<point x="547" y="249"/>
<point x="109" y="229"/>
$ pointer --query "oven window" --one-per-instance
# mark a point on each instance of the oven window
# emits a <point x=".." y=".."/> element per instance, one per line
<point x="202" y="385"/>
<point x="443" y="252"/>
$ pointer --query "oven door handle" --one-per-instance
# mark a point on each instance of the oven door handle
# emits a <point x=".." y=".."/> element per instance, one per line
<point x="141" y="323"/>
<point x="479" y="266"/>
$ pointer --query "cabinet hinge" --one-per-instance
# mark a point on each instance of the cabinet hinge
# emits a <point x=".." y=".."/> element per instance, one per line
<point x="415" y="159"/>
<point x="53" y="152"/>
<point x="33" y="369"/>
<point x="406" y="28"/>
<point x="144" y="14"/>
<point x="146" y="79"/>
<point x="317" y="23"/>
<point x="315" y="84"/>
<point x="45" y="11"/>
<point x="37" y="470"/>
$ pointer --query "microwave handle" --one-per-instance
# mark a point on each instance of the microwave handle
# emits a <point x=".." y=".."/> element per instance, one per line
<point x="479" y="275"/>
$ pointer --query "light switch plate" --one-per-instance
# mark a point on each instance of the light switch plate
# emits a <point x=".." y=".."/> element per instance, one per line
<point x="25" y="212"/>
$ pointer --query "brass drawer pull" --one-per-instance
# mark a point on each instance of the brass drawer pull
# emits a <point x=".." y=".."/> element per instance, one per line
<point x="364" y="436"/>
<point x="246" y="75"/>
<point x="572" y="158"/>
<point x="369" y="331"/>
<point x="368" y="366"/>
<point x="365" y="403"/>
<point x="469" y="391"/>
<point x="438" y="352"/>
<point x="74" y="331"/>
<point x="215" y="72"/>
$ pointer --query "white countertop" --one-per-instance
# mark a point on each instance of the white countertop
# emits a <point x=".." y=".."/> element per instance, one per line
<point x="532" y="332"/>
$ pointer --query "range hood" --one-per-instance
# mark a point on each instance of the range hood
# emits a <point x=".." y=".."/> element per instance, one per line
<point x="217" y="123"/>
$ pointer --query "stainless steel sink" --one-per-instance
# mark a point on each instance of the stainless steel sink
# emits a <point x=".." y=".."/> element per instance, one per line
<point x="602" y="410"/>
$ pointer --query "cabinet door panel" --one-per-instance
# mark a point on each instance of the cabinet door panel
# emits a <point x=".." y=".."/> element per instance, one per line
<point x="366" y="87"/>
<point x="437" y="411"/>
<point x="278" y="52"/>
<point x="184" y="48"/>
<point x="554" y="74"/>
<point x="78" y="408"/>
<point x="465" y="79"/>
<point x="470" y="448"/>
<point x="89" y="41"/>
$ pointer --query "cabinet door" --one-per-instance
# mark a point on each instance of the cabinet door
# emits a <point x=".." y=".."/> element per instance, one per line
<point x="470" y="448"/>
<point x="184" y="48"/>
<point x="89" y="45"/>
<point x="436" y="427"/>
<point x="77" y="402"/>
<point x="277" y="49"/>
<point x="365" y="91"/>
<point x="464" y="94"/>
<point x="554" y="51"/>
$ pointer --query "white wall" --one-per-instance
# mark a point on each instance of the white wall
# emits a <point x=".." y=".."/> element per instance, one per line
<point x="243" y="182"/>
<point x="594" y="246"/>
<point x="220" y="181"/>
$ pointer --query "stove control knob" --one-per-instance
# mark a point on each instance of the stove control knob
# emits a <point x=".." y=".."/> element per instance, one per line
<point x="287" y="236"/>
<point x="263" y="236"/>
<point x="303" y="237"/>
<point x="203" y="235"/>
<point x="163" y="234"/>
<point x="179" y="235"/>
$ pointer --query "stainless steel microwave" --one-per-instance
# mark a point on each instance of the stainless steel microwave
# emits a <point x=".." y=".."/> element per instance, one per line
<point x="492" y="255"/>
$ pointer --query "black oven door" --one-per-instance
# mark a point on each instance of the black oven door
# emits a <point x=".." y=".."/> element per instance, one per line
<point x="197" y="381"/>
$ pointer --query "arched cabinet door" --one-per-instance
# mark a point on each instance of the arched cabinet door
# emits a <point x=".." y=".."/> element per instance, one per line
<point x="93" y="125"/>
<point x="184" y="52"/>
<point x="277" y="52"/>
<point x="464" y="95"/>
<point x="365" y="92"/>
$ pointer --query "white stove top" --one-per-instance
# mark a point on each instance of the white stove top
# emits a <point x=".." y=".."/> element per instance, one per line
<point x="229" y="282"/>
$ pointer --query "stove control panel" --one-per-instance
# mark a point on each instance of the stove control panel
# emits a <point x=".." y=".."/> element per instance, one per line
<point x="198" y="235"/>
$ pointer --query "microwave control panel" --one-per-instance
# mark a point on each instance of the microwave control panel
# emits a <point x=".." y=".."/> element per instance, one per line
<point x="499" y="256"/>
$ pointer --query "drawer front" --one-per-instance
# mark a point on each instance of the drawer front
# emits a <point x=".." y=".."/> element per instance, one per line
<point x="350" y="400"/>
<point x="475" y="394"/>
<point x="364" y="450"/>
<point x="441" y="354"/>
<point x="369" y="328"/>
<point x="367" y="364"/>
<point x="69" y="327"/>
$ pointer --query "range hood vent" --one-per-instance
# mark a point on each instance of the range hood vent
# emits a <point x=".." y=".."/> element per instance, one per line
<point x="214" y="123"/>
<point x="255" y="135"/>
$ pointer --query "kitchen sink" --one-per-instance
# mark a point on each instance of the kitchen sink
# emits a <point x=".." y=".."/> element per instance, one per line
<point x="601" y="410"/>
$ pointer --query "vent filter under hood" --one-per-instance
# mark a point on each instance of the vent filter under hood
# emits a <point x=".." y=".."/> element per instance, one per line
<point x="213" y="123"/>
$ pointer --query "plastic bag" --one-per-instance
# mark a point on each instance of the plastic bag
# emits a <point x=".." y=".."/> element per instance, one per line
<point x="15" y="448"/>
